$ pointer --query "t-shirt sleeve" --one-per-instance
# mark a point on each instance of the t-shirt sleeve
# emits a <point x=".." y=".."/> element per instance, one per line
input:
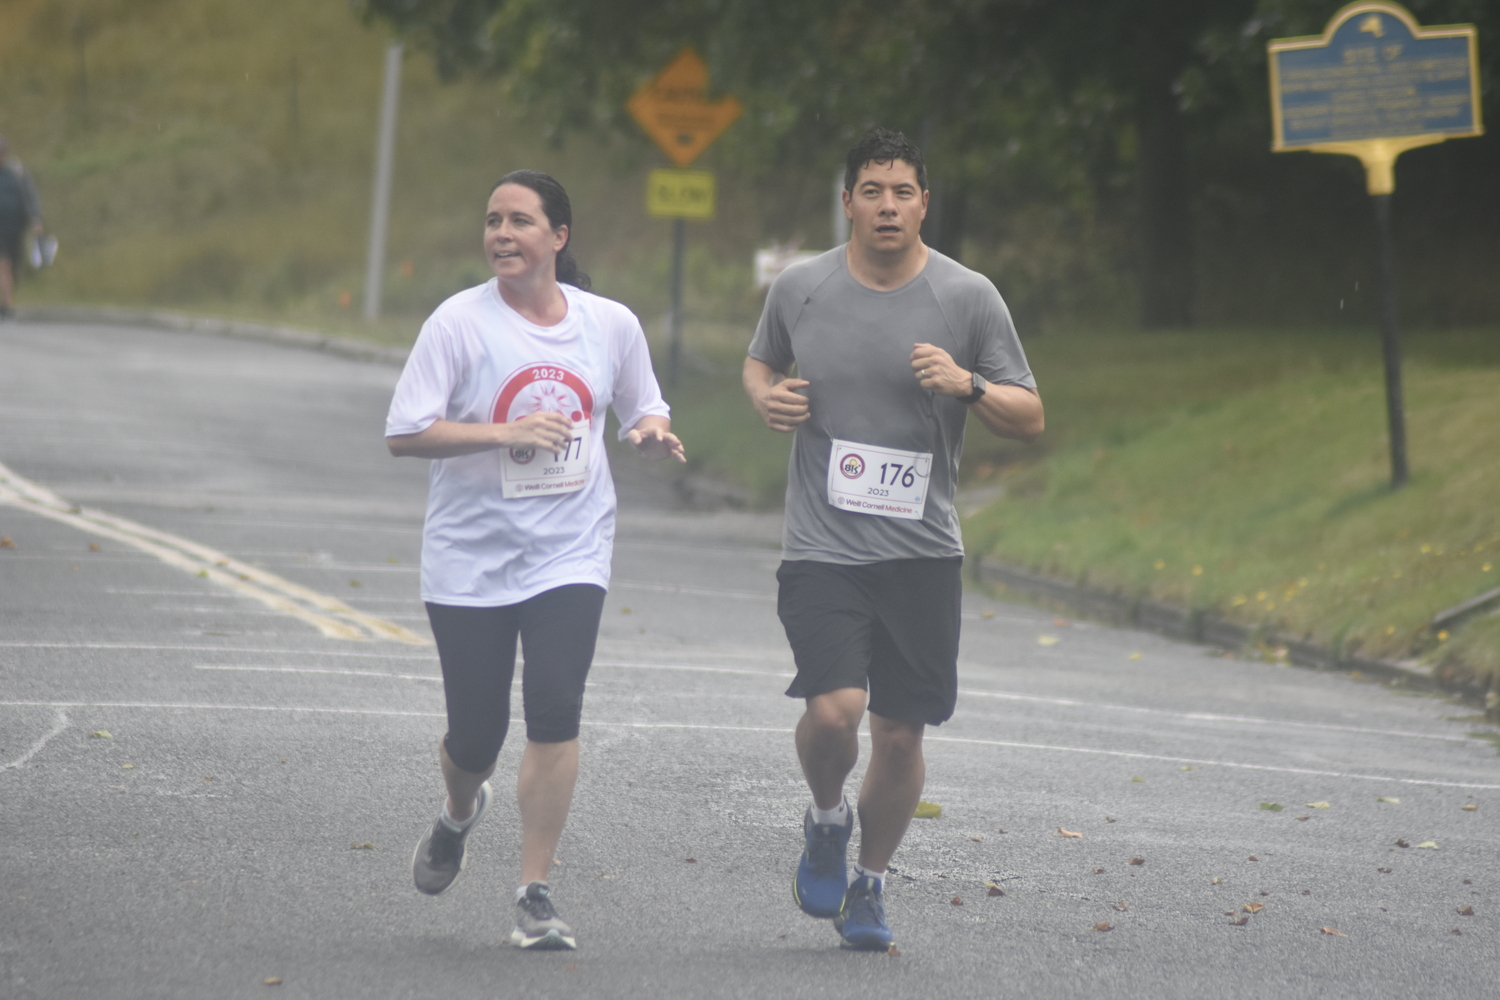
<point x="636" y="392"/>
<point x="998" y="355"/>
<point x="772" y="343"/>
<point x="426" y="384"/>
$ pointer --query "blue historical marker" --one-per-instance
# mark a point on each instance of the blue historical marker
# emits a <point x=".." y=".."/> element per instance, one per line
<point x="1374" y="74"/>
<point x="1374" y="85"/>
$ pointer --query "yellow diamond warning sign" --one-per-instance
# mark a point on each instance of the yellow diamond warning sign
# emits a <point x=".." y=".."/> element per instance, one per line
<point x="675" y="111"/>
<point x="680" y="194"/>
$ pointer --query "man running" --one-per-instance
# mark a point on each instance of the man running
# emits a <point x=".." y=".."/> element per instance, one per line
<point x="894" y="345"/>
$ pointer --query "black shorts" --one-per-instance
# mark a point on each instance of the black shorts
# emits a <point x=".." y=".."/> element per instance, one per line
<point x="477" y="648"/>
<point x="888" y="627"/>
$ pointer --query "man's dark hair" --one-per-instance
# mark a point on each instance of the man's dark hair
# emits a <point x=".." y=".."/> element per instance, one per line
<point x="881" y="145"/>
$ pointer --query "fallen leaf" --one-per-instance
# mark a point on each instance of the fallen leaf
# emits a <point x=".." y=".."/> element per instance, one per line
<point x="626" y="611"/>
<point x="1239" y="921"/>
<point x="203" y="573"/>
<point x="1456" y="932"/>
<point x="956" y="901"/>
<point x="1047" y="640"/>
<point x="1136" y="861"/>
<point x="360" y="847"/>
<point x="271" y="981"/>
<point x="1121" y="906"/>
<point x="986" y="614"/>
<point x="1401" y="843"/>
<point x="1466" y="911"/>
<point x="1470" y="807"/>
<point x="893" y="952"/>
<point x="128" y="767"/>
<point x="1394" y="802"/>
<point x="1109" y="819"/>
<point x="1253" y="907"/>
<point x="1316" y="805"/>
<point x="1104" y="925"/>
<point x="1307" y="892"/>
<point x="571" y="967"/>
<point x="1430" y="844"/>
<point x="781" y="937"/>
<point x="1330" y="930"/>
<point x="977" y="840"/>
<point x="1383" y="871"/>
<point x="999" y="830"/>
<point x="1253" y="858"/>
<point x="1141" y="780"/>
<point x="7" y="543"/>
<point x="1468" y="881"/>
<point x="209" y="778"/>
<point x="352" y="583"/>
<point x="995" y="890"/>
<point x="1264" y="893"/>
<point x="1274" y="807"/>
<point x="691" y="861"/>
<point x="928" y="810"/>
<point x="1184" y="767"/>
<point x="1215" y="880"/>
<point x="1303" y="819"/>
<point x="101" y="734"/>
<point x="95" y="547"/>
<point x="1098" y="871"/>
<point x="1067" y="833"/>
<point x="1134" y="656"/>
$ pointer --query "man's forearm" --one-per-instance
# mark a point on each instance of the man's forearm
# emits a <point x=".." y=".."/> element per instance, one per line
<point x="1011" y="411"/>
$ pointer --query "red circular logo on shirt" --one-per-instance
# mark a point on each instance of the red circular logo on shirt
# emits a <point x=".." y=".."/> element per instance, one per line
<point x="543" y="388"/>
<point x="852" y="466"/>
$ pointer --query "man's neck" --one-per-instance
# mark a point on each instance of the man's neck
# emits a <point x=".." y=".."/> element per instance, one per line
<point x="885" y="272"/>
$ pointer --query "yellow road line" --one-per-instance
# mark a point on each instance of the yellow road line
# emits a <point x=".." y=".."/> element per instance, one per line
<point x="328" y="615"/>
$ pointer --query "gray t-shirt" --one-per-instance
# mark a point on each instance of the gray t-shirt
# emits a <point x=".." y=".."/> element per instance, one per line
<point x="854" y="344"/>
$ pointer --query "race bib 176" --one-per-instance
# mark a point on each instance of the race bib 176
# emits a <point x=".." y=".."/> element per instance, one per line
<point x="880" y="481"/>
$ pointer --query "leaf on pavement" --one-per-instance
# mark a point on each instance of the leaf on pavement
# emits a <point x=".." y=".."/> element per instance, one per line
<point x="271" y="981"/>
<point x="1104" y="925"/>
<point x="360" y="847"/>
<point x="893" y="952"/>
<point x="1456" y="932"/>
<point x="1122" y="906"/>
<point x="1254" y="907"/>
<point x="1134" y="656"/>
<point x="1466" y="911"/>
<point x="928" y="810"/>
<point x="994" y="890"/>
<point x="1047" y="640"/>
<point x="999" y="829"/>
<point x="1303" y="819"/>
<point x="95" y="547"/>
<point x="1239" y="921"/>
<point x="101" y="734"/>
<point x="1215" y="880"/>
<point x="1137" y="778"/>
<point x="7" y="543"/>
<point x="1330" y="930"/>
<point x="1109" y="819"/>
<point x="1316" y="805"/>
<point x="1136" y="861"/>
<point x="977" y="840"/>
<point x="986" y="614"/>
<point x="352" y="583"/>
<point x="1274" y="807"/>
<point x="1400" y="842"/>
<point x="1394" y="802"/>
<point x="956" y="901"/>
<point x="1383" y="871"/>
<point x="1067" y="833"/>
<point x="1471" y="807"/>
<point x="690" y="861"/>
<point x="1432" y="844"/>
<point x="128" y="767"/>
<point x="1252" y="858"/>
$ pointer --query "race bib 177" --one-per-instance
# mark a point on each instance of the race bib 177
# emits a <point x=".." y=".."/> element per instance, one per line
<point x="880" y="481"/>
<point x="544" y="388"/>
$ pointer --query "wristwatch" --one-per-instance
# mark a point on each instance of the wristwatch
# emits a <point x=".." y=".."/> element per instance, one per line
<point x="978" y="383"/>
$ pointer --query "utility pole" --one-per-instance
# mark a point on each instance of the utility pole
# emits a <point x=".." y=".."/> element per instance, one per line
<point x="380" y="200"/>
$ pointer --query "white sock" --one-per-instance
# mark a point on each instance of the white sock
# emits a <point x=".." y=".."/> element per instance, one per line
<point x="459" y="825"/>
<point x="831" y="817"/>
<point x="859" y="871"/>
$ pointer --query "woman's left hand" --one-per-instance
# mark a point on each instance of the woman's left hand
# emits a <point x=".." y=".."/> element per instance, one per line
<point x="654" y="439"/>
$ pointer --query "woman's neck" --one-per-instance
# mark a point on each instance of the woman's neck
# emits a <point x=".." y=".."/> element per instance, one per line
<point x="539" y="300"/>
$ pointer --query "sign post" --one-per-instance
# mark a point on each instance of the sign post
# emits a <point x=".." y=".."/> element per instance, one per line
<point x="675" y="111"/>
<point x="1374" y="85"/>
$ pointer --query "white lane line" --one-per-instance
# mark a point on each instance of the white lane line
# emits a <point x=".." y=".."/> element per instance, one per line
<point x="284" y="596"/>
<point x="1209" y="717"/>
<point x="1212" y="763"/>
<point x="59" y="724"/>
<point x="318" y="670"/>
<point x="147" y="646"/>
<point x="693" y="669"/>
<point x="202" y="707"/>
<point x="667" y="588"/>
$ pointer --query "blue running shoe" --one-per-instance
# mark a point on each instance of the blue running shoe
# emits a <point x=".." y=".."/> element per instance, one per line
<point x="861" y="920"/>
<point x="822" y="874"/>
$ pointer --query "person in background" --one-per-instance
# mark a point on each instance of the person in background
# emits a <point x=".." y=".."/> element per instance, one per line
<point x="20" y="216"/>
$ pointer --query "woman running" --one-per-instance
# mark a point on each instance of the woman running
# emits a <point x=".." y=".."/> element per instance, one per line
<point x="506" y="388"/>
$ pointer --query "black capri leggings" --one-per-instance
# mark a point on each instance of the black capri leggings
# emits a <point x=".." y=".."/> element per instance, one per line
<point x="477" y="648"/>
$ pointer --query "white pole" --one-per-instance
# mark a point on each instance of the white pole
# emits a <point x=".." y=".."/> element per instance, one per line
<point x="840" y="222"/>
<point x="380" y="200"/>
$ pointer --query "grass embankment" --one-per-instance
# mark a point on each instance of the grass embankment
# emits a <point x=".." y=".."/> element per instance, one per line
<point x="1244" y="472"/>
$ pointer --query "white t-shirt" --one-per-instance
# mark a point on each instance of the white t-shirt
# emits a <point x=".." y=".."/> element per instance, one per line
<point x="477" y="360"/>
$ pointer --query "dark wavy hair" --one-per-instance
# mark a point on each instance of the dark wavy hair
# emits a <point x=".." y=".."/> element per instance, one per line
<point x="559" y="212"/>
<point x="881" y="145"/>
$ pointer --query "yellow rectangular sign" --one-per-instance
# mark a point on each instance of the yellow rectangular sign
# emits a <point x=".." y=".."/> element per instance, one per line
<point x="680" y="194"/>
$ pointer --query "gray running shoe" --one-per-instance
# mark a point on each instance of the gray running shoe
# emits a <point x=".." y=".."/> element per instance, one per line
<point x="439" y="856"/>
<point x="537" y="923"/>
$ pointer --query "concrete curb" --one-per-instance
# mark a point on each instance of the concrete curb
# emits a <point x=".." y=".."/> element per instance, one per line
<point x="1209" y="628"/>
<point x="346" y="347"/>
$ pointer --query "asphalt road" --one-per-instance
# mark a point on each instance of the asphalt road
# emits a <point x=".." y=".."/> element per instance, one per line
<point x="201" y="790"/>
